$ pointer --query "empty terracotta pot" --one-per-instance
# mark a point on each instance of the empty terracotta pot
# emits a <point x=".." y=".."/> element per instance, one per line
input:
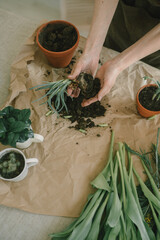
<point x="144" y="112"/>
<point x="62" y="58"/>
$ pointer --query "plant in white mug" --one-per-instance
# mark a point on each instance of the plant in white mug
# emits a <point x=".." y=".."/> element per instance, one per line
<point x="15" y="128"/>
<point x="14" y="164"/>
<point x="11" y="165"/>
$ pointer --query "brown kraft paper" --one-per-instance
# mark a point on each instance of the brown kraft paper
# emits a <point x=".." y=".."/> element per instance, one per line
<point x="68" y="159"/>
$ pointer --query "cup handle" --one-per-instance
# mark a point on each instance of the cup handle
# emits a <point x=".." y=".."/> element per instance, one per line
<point x="37" y="138"/>
<point x="31" y="162"/>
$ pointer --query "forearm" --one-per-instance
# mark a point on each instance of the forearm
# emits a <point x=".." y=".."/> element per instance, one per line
<point x="145" y="46"/>
<point x="102" y="16"/>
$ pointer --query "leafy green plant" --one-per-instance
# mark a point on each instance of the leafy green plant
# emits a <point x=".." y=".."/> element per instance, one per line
<point x="15" y="126"/>
<point x="114" y="211"/>
<point x="157" y="93"/>
<point x="55" y="90"/>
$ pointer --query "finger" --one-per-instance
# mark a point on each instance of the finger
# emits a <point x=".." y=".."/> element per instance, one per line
<point x="73" y="95"/>
<point x="75" y="72"/>
<point x="100" y="77"/>
<point x="77" y="92"/>
<point x="69" y="91"/>
<point x="94" y="70"/>
<point x="99" y="74"/>
<point x="87" y="102"/>
<point x="103" y="92"/>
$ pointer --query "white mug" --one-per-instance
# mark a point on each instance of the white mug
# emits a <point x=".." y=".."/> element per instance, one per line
<point x="37" y="138"/>
<point x="27" y="164"/>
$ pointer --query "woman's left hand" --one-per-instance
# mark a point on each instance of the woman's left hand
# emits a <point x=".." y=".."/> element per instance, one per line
<point x="107" y="75"/>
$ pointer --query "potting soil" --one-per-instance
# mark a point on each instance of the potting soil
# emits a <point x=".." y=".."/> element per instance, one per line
<point x="83" y="116"/>
<point x="58" y="37"/>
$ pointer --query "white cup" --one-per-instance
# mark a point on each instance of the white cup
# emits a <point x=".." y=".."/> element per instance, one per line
<point x="37" y="138"/>
<point x="27" y="164"/>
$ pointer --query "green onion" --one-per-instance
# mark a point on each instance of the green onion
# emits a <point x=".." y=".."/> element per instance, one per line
<point x="67" y="116"/>
<point x="82" y="131"/>
<point x="102" y="125"/>
<point x="48" y="113"/>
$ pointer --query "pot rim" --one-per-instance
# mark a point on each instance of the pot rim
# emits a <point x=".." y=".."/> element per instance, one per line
<point x="57" y="21"/>
<point x="137" y="98"/>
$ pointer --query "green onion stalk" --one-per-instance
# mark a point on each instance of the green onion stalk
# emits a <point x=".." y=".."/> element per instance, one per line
<point x="115" y="210"/>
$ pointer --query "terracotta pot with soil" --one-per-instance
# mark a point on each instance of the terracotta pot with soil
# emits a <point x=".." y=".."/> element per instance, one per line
<point x="148" y="104"/>
<point x="58" y="40"/>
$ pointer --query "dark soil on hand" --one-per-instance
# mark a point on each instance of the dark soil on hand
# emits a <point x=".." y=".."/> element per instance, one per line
<point x="85" y="83"/>
<point x="58" y="37"/>
<point x="145" y="98"/>
<point x="83" y="116"/>
<point x="20" y="168"/>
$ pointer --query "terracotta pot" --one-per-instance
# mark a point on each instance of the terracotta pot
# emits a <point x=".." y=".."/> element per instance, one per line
<point x="58" y="59"/>
<point x="143" y="111"/>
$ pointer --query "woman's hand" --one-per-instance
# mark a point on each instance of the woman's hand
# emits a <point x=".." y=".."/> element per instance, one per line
<point x="107" y="75"/>
<point x="86" y="63"/>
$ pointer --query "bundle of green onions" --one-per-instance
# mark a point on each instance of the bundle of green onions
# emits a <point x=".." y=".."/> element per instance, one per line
<point x="114" y="211"/>
<point x="55" y="90"/>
